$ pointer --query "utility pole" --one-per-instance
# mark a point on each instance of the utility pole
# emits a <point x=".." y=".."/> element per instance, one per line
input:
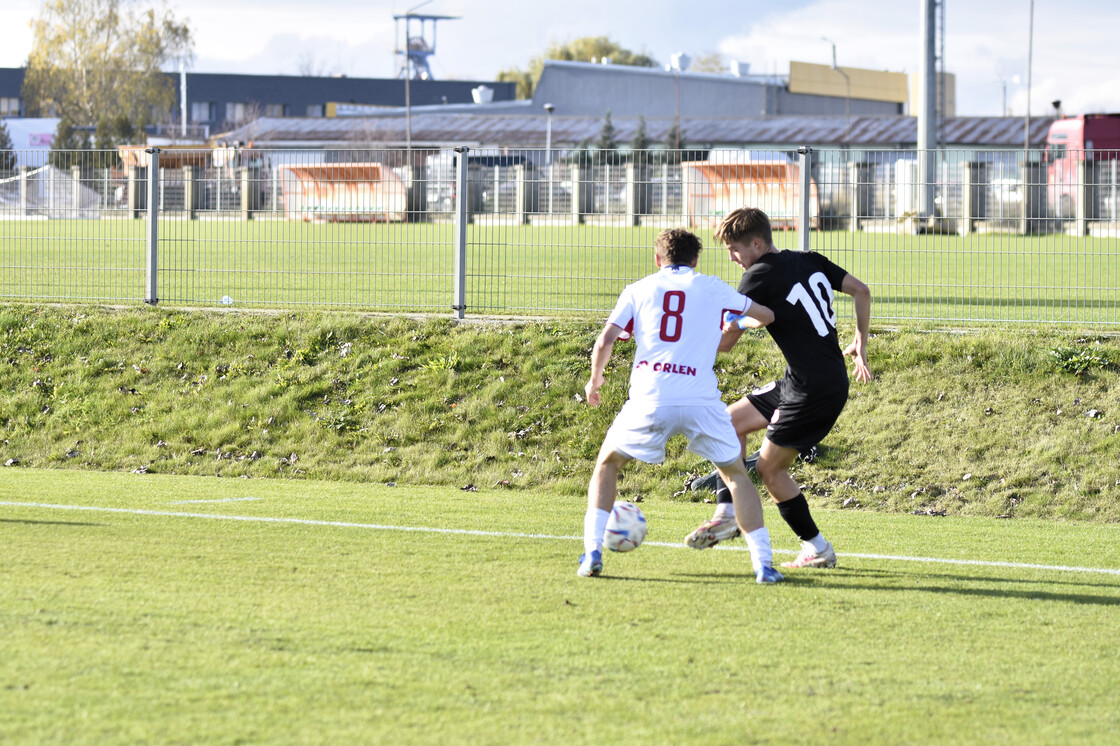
<point x="927" y="111"/>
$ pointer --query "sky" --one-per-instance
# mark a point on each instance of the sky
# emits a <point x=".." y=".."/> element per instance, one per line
<point x="1075" y="54"/>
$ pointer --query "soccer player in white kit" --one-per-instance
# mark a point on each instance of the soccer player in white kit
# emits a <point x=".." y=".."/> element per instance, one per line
<point x="676" y="318"/>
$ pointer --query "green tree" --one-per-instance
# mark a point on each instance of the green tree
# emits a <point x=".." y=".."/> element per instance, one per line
<point x="67" y="140"/>
<point x="7" y="150"/>
<point x="674" y="143"/>
<point x="641" y="141"/>
<point x="101" y="59"/>
<point x="607" y="143"/>
<point x="113" y="131"/>
<point x="584" y="49"/>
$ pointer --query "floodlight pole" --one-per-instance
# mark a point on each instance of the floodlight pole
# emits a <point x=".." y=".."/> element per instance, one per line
<point x="408" y="77"/>
<point x="549" y="108"/>
<point x="1030" y="54"/>
<point x="847" y="98"/>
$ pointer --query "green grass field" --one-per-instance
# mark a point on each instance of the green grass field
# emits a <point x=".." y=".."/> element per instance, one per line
<point x="165" y="609"/>
<point x="532" y="270"/>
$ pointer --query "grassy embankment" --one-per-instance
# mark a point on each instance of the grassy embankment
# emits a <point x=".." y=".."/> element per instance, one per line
<point x="1004" y="422"/>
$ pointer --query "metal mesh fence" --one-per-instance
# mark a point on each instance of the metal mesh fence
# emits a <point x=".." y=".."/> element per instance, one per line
<point x="950" y="236"/>
<point x="64" y="233"/>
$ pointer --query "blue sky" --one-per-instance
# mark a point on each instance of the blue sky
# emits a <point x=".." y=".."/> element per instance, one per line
<point x="1075" y="58"/>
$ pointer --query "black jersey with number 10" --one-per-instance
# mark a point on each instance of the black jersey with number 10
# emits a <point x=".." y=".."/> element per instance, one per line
<point x="799" y="287"/>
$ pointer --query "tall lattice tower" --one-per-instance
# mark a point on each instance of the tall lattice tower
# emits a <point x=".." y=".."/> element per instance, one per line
<point x="417" y="44"/>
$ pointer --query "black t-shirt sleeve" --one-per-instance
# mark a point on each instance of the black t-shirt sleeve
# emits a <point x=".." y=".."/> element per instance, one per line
<point x="834" y="272"/>
<point x="753" y="283"/>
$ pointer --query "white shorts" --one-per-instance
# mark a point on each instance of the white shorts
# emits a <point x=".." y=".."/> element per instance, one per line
<point x="641" y="431"/>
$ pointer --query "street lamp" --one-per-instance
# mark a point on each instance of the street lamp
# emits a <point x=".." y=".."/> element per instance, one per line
<point x="848" y="97"/>
<point x="549" y="108"/>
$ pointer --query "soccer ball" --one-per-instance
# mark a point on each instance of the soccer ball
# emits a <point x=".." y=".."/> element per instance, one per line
<point x="626" y="528"/>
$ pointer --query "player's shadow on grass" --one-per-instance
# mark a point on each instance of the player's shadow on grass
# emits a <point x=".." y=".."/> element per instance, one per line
<point x="1089" y="578"/>
<point x="822" y="580"/>
<point x="47" y="523"/>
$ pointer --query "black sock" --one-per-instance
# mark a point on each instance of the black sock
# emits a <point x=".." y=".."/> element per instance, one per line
<point x="723" y="492"/>
<point x="795" y="512"/>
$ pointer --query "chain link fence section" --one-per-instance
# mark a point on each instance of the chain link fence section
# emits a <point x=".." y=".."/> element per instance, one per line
<point x="556" y="233"/>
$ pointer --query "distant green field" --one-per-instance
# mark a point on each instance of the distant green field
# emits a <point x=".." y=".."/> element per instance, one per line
<point x="188" y="610"/>
<point x="532" y="270"/>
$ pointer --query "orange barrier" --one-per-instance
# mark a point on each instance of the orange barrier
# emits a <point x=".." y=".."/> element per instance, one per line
<point x="714" y="189"/>
<point x="343" y="192"/>
<point x="170" y="156"/>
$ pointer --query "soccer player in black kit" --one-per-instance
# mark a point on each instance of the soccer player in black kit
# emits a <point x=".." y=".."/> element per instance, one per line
<point x="798" y="410"/>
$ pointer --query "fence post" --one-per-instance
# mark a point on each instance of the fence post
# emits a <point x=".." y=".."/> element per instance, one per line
<point x="460" y="304"/>
<point x="246" y="202"/>
<point x="153" y="226"/>
<point x="631" y="193"/>
<point x="1085" y="176"/>
<point x="76" y="190"/>
<point x="190" y="191"/>
<point x="23" y="190"/>
<point x="803" y="217"/>
<point x="133" y="192"/>
<point x="855" y="204"/>
<point x="497" y="190"/>
<point x="520" y="194"/>
<point x="576" y="172"/>
<point x="968" y="197"/>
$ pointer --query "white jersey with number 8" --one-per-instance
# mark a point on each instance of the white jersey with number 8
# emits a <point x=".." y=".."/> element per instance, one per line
<point x="675" y="317"/>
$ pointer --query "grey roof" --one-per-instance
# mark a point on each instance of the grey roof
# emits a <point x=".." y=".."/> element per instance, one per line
<point x="433" y="126"/>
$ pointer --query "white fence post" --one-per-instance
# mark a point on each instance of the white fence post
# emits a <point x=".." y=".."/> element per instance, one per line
<point x="803" y="217"/>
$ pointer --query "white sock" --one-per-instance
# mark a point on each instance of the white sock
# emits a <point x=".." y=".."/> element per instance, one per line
<point x="759" y="543"/>
<point x="594" y="526"/>
<point x="818" y="543"/>
<point x="725" y="510"/>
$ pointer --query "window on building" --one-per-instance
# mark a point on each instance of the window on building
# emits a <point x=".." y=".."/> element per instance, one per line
<point x="314" y="110"/>
<point x="276" y="110"/>
<point x="202" y="111"/>
<point x="235" y="112"/>
<point x="9" y="107"/>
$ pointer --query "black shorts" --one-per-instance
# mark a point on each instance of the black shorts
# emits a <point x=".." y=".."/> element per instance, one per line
<point x="796" y="420"/>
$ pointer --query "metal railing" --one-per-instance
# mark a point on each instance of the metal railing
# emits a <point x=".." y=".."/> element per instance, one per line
<point x="522" y="232"/>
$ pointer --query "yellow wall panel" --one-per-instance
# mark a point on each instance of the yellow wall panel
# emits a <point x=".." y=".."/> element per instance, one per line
<point x="872" y="85"/>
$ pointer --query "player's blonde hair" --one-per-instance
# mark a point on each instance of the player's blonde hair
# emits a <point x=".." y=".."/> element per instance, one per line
<point x="678" y="246"/>
<point x="743" y="224"/>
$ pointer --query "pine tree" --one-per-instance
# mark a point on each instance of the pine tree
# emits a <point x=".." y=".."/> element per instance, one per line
<point x="7" y="150"/>
<point x="674" y="143"/>
<point x="607" y="142"/>
<point x="640" y="142"/>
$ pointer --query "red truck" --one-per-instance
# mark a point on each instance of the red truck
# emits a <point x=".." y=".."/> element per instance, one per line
<point x="1071" y="140"/>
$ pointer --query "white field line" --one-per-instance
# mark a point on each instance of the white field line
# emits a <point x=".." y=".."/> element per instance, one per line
<point x="516" y="535"/>
<point x="222" y="500"/>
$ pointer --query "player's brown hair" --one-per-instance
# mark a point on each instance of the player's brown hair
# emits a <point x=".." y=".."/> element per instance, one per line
<point x="678" y="246"/>
<point x="743" y="224"/>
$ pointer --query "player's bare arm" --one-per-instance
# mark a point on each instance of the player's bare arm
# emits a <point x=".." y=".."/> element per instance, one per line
<point x="600" y="355"/>
<point x="756" y="317"/>
<point x="857" y="350"/>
